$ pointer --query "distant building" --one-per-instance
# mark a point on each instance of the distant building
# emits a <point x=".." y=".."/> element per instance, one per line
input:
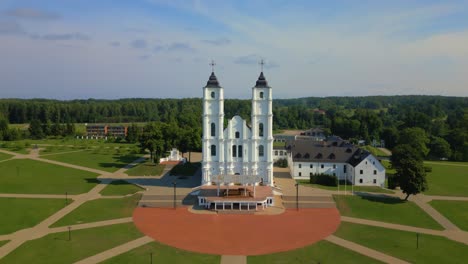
<point x="101" y="131"/>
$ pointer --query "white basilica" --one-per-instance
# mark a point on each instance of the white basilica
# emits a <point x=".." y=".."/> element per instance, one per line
<point x="239" y="149"/>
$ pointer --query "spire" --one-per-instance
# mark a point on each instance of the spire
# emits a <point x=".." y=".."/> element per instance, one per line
<point x="213" y="81"/>
<point x="261" y="82"/>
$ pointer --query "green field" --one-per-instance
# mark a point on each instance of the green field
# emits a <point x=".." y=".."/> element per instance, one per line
<point x="20" y="213"/>
<point x="100" y="210"/>
<point x="385" y="209"/>
<point x="375" y="151"/>
<point x="56" y="248"/>
<point x="4" y="156"/>
<point x="401" y="244"/>
<point x="35" y="177"/>
<point x="187" y="169"/>
<point x="49" y="150"/>
<point x="15" y="146"/>
<point x="120" y="187"/>
<point x="4" y="242"/>
<point x="162" y="254"/>
<point x="455" y="211"/>
<point x="97" y="159"/>
<point x="373" y="189"/>
<point x="447" y="178"/>
<point x="320" y="252"/>
<point x="146" y="169"/>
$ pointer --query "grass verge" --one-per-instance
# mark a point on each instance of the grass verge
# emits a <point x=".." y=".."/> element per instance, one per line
<point x="146" y="169"/>
<point x="455" y="211"/>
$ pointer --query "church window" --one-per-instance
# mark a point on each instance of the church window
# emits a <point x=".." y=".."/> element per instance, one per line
<point x="261" y="95"/>
<point x="360" y="172"/>
<point x="300" y="166"/>
<point x="276" y="153"/>
<point x="360" y="180"/>
<point x="240" y="151"/>
<point x="212" y="94"/>
<point x="344" y="168"/>
<point x="300" y="174"/>
<point x="375" y="181"/>
<point x="261" y="151"/>
<point x="213" y="150"/>
<point x="234" y="151"/>
<point x="213" y="129"/>
<point x="334" y="166"/>
<point x="311" y="166"/>
<point x="260" y="129"/>
<point x="321" y="166"/>
<point x="237" y="134"/>
<point x="375" y="172"/>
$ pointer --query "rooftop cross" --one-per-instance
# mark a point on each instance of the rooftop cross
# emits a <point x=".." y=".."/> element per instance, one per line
<point x="262" y="62"/>
<point x="212" y="64"/>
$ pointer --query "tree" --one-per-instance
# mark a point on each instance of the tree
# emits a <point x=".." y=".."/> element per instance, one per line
<point x="417" y="138"/>
<point x="3" y="128"/>
<point x="35" y="129"/>
<point x="439" y="148"/>
<point x="390" y="136"/>
<point x="409" y="168"/>
<point x="133" y="133"/>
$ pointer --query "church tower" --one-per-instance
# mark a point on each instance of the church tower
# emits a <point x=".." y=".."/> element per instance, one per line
<point x="262" y="130"/>
<point x="213" y="126"/>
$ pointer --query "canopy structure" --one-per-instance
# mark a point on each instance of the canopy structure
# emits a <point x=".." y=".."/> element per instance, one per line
<point x="237" y="179"/>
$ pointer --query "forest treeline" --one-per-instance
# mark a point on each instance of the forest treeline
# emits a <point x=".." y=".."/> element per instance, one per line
<point x="442" y="122"/>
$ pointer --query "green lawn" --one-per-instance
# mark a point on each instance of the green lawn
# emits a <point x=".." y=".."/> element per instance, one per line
<point x="4" y="156"/>
<point x="455" y="211"/>
<point x="146" y="169"/>
<point x="56" y="248"/>
<point x="17" y="147"/>
<point x="386" y="209"/>
<point x="375" y="151"/>
<point x="30" y="176"/>
<point x="49" y="150"/>
<point x="187" y="169"/>
<point x="20" y="213"/>
<point x="120" y="187"/>
<point x="162" y="254"/>
<point x="100" y="210"/>
<point x="101" y="159"/>
<point x="320" y="252"/>
<point x="401" y="244"/>
<point x="4" y="242"/>
<point x="374" y="189"/>
<point x="447" y="178"/>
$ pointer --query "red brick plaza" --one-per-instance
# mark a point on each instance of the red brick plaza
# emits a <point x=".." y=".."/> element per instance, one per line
<point x="233" y="234"/>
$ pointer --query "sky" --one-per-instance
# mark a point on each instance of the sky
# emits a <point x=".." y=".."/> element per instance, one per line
<point x="79" y="49"/>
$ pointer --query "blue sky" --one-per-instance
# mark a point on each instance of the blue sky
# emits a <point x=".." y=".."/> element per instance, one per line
<point x="68" y="49"/>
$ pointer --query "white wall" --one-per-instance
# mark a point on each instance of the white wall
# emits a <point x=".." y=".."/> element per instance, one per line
<point x="373" y="173"/>
<point x="302" y="170"/>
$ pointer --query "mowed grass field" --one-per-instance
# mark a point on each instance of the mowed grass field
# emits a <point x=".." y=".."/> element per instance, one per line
<point x="146" y="169"/>
<point x="455" y="211"/>
<point x="109" y="161"/>
<point x="120" y="187"/>
<point x="100" y="210"/>
<point x="35" y="177"/>
<point x="162" y="254"/>
<point x="57" y="249"/>
<point x="19" y="213"/>
<point x="447" y="178"/>
<point x="385" y="209"/>
<point x="402" y="244"/>
<point x="373" y="189"/>
<point x="4" y="156"/>
<point x="320" y="252"/>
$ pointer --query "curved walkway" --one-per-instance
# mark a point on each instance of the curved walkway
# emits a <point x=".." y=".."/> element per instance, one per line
<point x="237" y="234"/>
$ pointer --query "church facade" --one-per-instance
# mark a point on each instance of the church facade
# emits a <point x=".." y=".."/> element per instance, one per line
<point x="239" y="148"/>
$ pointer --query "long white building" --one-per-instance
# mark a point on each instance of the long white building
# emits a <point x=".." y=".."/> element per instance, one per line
<point x="239" y="148"/>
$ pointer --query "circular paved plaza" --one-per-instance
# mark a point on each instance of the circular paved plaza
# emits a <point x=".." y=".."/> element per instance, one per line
<point x="227" y="234"/>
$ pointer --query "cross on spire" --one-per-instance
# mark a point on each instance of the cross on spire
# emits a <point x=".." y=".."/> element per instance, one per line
<point x="262" y="62"/>
<point x="212" y="64"/>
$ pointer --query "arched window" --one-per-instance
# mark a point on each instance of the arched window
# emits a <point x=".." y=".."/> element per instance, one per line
<point x="260" y="130"/>
<point x="212" y="94"/>
<point x="239" y="153"/>
<point x="261" y="151"/>
<point x="234" y="151"/>
<point x="213" y="129"/>
<point x="213" y="150"/>
<point x="261" y="95"/>
<point x="237" y="134"/>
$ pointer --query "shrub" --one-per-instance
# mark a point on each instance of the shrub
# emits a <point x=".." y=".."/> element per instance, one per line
<point x="427" y="168"/>
<point x="282" y="163"/>
<point x="392" y="181"/>
<point x="324" y="179"/>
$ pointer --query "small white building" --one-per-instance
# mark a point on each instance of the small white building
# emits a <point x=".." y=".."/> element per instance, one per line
<point x="338" y="158"/>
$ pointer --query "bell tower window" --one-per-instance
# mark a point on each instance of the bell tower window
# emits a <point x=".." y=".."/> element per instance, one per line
<point x="237" y="134"/>
<point x="261" y="151"/>
<point x="261" y="95"/>
<point x="260" y="130"/>
<point x="213" y="95"/>
<point x="213" y="150"/>
<point x="213" y="129"/>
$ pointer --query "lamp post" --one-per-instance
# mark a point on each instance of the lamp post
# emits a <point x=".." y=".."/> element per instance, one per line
<point x="175" y="185"/>
<point x="69" y="233"/>
<point x="151" y="257"/>
<point x="297" y="196"/>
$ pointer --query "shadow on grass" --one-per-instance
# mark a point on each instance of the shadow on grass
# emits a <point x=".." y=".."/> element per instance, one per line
<point x="380" y="198"/>
<point x="92" y="180"/>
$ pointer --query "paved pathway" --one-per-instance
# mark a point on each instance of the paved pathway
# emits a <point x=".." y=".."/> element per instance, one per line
<point x="364" y="250"/>
<point x="230" y="259"/>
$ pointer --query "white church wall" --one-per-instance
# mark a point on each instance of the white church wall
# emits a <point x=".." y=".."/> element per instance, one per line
<point x="369" y="172"/>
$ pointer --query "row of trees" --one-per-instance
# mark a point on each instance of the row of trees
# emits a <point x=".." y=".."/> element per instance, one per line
<point x="444" y="120"/>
